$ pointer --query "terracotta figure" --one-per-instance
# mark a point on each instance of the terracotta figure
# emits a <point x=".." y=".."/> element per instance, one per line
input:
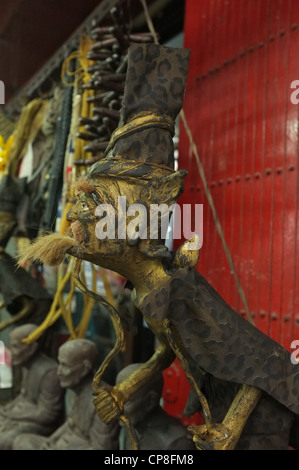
<point x="39" y="407"/>
<point x="82" y="429"/>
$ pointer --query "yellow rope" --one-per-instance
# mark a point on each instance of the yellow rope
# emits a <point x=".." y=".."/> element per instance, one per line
<point x="5" y="147"/>
<point x="80" y="56"/>
<point x="66" y="308"/>
<point x="28" y="125"/>
<point x="55" y="310"/>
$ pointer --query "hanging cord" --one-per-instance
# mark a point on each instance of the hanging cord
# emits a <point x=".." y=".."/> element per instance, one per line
<point x="149" y="21"/>
<point x="120" y="337"/>
<point x="205" y="184"/>
<point x="88" y="305"/>
<point x="215" y="215"/>
<point x="89" y="301"/>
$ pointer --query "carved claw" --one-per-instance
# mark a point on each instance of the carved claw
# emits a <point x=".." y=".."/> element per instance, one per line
<point x="213" y="437"/>
<point x="109" y="404"/>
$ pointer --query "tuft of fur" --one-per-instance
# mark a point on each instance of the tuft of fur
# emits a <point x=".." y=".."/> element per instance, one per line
<point x="49" y="249"/>
<point x="82" y="185"/>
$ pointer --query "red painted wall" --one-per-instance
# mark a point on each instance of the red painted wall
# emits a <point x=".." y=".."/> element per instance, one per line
<point x="244" y="56"/>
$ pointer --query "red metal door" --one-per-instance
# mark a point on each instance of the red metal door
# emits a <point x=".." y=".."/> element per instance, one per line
<point x="244" y="57"/>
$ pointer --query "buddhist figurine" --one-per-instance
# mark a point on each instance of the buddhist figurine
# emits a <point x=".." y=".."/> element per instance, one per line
<point x="82" y="429"/>
<point x="221" y="353"/>
<point x="39" y="407"/>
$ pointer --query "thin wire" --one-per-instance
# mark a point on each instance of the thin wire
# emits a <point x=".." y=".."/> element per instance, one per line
<point x="215" y="215"/>
<point x="149" y="21"/>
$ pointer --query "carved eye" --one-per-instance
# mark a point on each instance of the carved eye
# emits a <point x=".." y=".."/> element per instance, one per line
<point x="84" y="206"/>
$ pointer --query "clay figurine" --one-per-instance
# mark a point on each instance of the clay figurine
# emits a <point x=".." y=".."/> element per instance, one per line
<point x="82" y="429"/>
<point x="39" y="407"/>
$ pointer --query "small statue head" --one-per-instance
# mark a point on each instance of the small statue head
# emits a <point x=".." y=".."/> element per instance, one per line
<point x="21" y="352"/>
<point x="77" y="359"/>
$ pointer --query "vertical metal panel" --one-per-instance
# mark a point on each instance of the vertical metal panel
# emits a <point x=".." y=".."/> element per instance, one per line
<point x="244" y="56"/>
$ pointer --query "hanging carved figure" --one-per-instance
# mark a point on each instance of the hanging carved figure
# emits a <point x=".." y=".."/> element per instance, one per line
<point x="243" y="382"/>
